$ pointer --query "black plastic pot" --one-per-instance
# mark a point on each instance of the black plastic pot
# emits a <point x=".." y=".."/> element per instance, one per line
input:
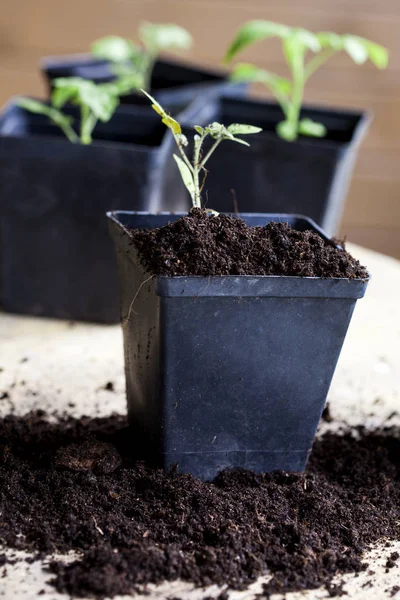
<point x="227" y="371"/>
<point x="57" y="259"/>
<point x="310" y="176"/>
<point x="174" y="83"/>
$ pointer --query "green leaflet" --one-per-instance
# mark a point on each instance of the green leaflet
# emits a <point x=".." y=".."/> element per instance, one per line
<point x="186" y="174"/>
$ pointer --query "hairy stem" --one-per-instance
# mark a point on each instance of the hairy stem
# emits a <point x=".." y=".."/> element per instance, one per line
<point x="209" y="153"/>
<point x="182" y="153"/>
<point x="197" y="166"/>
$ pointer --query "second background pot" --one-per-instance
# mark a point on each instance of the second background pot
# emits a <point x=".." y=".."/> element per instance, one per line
<point x="310" y="176"/>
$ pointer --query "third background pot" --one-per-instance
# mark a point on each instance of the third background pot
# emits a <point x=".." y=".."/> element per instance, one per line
<point x="310" y="176"/>
<point x="56" y="258"/>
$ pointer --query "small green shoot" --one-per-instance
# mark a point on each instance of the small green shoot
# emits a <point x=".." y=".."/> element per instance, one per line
<point x="134" y="62"/>
<point x="192" y="172"/>
<point x="55" y="116"/>
<point x="296" y="44"/>
<point x="96" y="103"/>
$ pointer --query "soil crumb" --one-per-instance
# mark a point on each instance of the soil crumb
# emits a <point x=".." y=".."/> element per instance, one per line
<point x="74" y="485"/>
<point x="89" y="456"/>
<point x="326" y="414"/>
<point x="109" y="386"/>
<point x="200" y="244"/>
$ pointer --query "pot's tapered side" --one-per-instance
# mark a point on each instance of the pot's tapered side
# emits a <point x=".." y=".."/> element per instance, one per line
<point x="228" y="371"/>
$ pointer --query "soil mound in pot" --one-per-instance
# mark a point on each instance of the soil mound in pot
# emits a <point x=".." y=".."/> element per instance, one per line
<point x="135" y="525"/>
<point x="204" y="244"/>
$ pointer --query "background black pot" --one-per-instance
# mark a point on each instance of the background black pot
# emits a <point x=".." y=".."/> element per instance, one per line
<point x="227" y="371"/>
<point x="310" y="176"/>
<point x="174" y="83"/>
<point x="56" y="256"/>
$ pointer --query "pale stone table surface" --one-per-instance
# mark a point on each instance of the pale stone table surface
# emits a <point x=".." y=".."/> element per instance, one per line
<point x="50" y="364"/>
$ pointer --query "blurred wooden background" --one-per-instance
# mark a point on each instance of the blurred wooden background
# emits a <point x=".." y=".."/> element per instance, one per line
<point x="29" y="30"/>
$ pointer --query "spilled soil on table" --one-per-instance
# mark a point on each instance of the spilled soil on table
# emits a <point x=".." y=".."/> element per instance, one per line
<point x="204" y="244"/>
<point x="74" y="485"/>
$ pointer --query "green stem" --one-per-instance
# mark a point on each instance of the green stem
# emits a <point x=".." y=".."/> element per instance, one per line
<point x="315" y="63"/>
<point x="282" y="99"/>
<point x="212" y="149"/>
<point x="182" y="153"/>
<point x="197" y="166"/>
<point x="56" y="117"/>
<point x="149" y="60"/>
<point x="294" y="107"/>
<point x="84" y="117"/>
<point x="88" y="122"/>
<point x="70" y="133"/>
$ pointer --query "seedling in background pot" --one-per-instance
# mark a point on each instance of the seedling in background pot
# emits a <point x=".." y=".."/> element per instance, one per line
<point x="194" y="173"/>
<point x="133" y="63"/>
<point x="296" y="43"/>
<point x="97" y="102"/>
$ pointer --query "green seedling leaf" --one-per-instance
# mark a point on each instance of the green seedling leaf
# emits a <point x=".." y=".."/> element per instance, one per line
<point x="165" y="117"/>
<point x="254" y="31"/>
<point x="238" y="129"/>
<point x="34" y="106"/>
<point x="217" y="130"/>
<point x="199" y="129"/>
<point x="252" y="74"/>
<point x="101" y="99"/>
<point x="65" y="90"/>
<point x="311" y="128"/>
<point x="308" y="39"/>
<point x="172" y="124"/>
<point x="186" y="175"/>
<point x="155" y="105"/>
<point x="294" y="51"/>
<point x="296" y="45"/>
<point x="355" y="49"/>
<point x="361" y="49"/>
<point x="128" y="82"/>
<point x="330" y="40"/>
<point x="113" y="48"/>
<point x="164" y="36"/>
<point x="287" y="130"/>
<point x="377" y="54"/>
<point x="57" y="117"/>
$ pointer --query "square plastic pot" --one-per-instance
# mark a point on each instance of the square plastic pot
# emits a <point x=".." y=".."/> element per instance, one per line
<point x="56" y="257"/>
<point x="174" y="83"/>
<point x="227" y="371"/>
<point x="310" y="176"/>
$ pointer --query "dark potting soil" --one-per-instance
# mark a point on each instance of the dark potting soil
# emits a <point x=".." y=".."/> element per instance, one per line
<point x="202" y="244"/>
<point x="74" y="485"/>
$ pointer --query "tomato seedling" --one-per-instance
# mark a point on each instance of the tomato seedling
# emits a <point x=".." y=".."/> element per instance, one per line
<point x="193" y="172"/>
<point x="97" y="102"/>
<point x="296" y="44"/>
<point x="133" y="63"/>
